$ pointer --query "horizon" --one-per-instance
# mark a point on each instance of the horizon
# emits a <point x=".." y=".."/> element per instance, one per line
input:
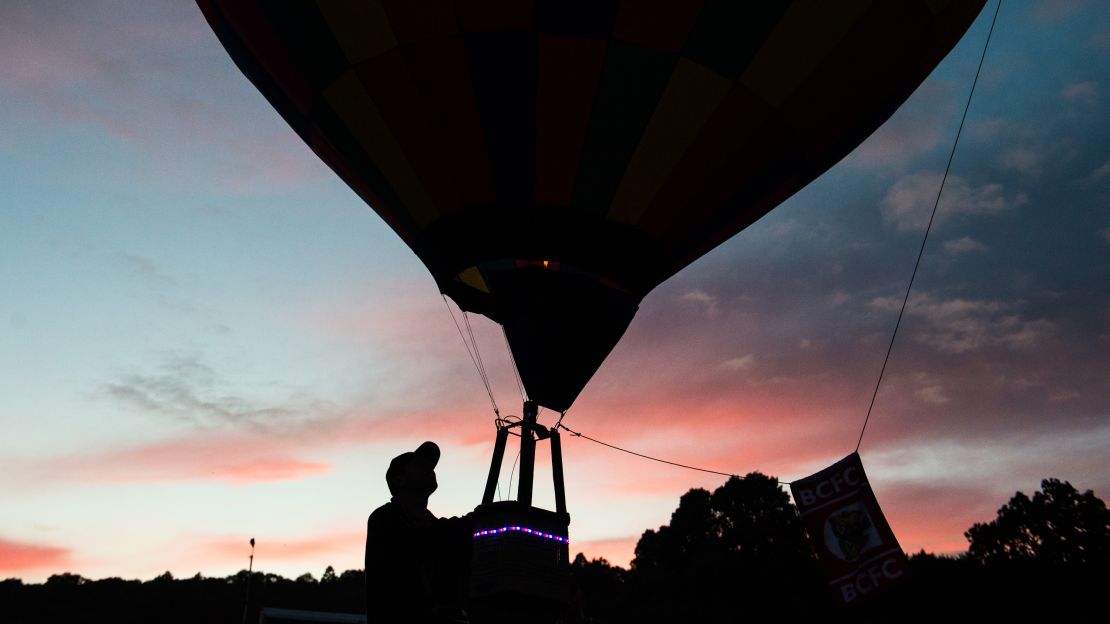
<point x="208" y="337"/>
<point x="250" y="548"/>
<point x="956" y="555"/>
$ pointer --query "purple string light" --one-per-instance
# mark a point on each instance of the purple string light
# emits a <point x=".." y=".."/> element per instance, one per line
<point x="550" y="536"/>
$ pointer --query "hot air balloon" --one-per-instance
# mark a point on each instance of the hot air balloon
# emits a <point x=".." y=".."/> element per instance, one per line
<point x="553" y="161"/>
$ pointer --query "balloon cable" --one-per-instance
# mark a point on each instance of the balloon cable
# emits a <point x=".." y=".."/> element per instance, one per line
<point x="477" y="353"/>
<point x="509" y="494"/>
<point x="516" y="371"/>
<point x="576" y="434"/>
<point x="623" y="450"/>
<point x="928" y="228"/>
<point x="473" y="359"/>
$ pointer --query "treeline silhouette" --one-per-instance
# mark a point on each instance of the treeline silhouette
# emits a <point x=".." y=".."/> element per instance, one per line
<point x="740" y="553"/>
<point x="69" y="598"/>
<point x="730" y="555"/>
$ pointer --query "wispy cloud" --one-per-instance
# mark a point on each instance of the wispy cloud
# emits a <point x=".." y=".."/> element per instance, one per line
<point x="915" y="129"/>
<point x="744" y="362"/>
<point x="185" y="388"/>
<point x="963" y="245"/>
<point x="1085" y="92"/>
<point x="707" y="301"/>
<point x="263" y="470"/>
<point x="1064" y="395"/>
<point x="934" y="490"/>
<point x="131" y="72"/>
<point x="144" y="269"/>
<point x="1100" y="40"/>
<point x="1052" y="11"/>
<point x="909" y="201"/>
<point x="959" y="325"/>
<point x="235" y="459"/>
<point x="929" y="390"/>
<point x="1026" y="456"/>
<point x="1022" y="160"/>
<point x="1100" y="173"/>
<point x="238" y="456"/>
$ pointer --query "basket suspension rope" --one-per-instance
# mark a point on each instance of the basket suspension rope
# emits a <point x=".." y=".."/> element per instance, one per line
<point x="474" y="359"/>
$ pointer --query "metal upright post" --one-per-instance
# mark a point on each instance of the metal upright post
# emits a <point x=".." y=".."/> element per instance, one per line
<point x="250" y="572"/>
<point x="557" y="472"/>
<point x="495" y="464"/>
<point x="527" y="453"/>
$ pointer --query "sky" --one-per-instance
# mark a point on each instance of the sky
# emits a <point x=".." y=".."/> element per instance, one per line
<point x="205" y="336"/>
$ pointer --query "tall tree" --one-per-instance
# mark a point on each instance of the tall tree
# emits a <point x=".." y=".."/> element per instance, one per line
<point x="1058" y="525"/>
<point x="748" y="521"/>
<point x="742" y="544"/>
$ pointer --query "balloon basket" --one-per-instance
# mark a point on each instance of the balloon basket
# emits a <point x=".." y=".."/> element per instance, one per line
<point x="520" y="550"/>
<point x="520" y="569"/>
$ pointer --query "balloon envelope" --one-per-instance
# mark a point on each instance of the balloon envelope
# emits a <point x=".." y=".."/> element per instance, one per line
<point x="552" y="161"/>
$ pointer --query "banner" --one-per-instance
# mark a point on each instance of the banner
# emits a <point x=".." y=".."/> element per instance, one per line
<point x="854" y="543"/>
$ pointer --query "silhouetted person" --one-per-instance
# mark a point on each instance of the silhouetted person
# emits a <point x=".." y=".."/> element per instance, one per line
<point x="416" y="564"/>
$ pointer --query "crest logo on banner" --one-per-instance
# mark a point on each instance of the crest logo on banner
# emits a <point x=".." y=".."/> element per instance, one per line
<point x="854" y="542"/>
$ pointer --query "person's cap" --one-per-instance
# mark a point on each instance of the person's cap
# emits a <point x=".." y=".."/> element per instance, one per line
<point x="427" y="454"/>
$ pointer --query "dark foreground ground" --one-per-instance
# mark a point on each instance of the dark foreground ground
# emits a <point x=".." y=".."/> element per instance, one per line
<point x="941" y="588"/>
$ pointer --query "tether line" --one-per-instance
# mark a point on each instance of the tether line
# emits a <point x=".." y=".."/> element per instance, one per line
<point x="576" y="434"/>
<point x="662" y="461"/>
<point x="928" y="228"/>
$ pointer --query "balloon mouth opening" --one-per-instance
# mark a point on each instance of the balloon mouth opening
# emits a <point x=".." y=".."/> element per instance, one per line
<point x="560" y="321"/>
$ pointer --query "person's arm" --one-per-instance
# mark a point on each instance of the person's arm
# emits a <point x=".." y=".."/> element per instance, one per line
<point x="453" y="539"/>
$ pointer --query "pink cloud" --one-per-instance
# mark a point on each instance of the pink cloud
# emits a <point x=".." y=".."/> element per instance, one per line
<point x="279" y="549"/>
<point x="235" y="459"/>
<point x="270" y="470"/>
<point x="737" y="427"/>
<point x="782" y="414"/>
<point x="756" y="416"/>
<point x="21" y="556"/>
<point x="267" y="454"/>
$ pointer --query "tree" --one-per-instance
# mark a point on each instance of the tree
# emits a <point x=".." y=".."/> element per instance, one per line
<point x="748" y="521"/>
<point x="741" y="544"/>
<point x="329" y="575"/>
<point x="599" y="588"/>
<point x="66" y="579"/>
<point x="691" y="535"/>
<point x="1058" y="525"/>
<point x="758" y="523"/>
